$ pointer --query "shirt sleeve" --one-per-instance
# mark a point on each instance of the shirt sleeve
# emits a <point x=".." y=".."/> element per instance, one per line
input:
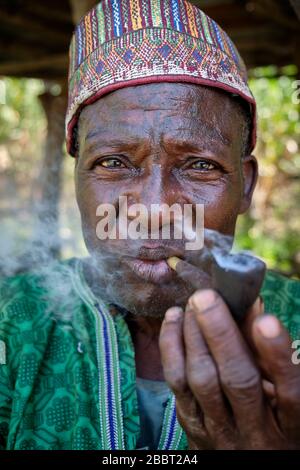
<point x="5" y="405"/>
<point x="8" y="291"/>
<point x="281" y="296"/>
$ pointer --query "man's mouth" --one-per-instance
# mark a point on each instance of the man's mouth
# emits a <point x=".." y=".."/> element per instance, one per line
<point x="151" y="271"/>
<point x="151" y="263"/>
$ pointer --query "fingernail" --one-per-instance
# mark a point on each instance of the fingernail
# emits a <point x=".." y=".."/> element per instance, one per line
<point x="262" y="304"/>
<point x="203" y="299"/>
<point x="173" y="314"/>
<point x="258" y="306"/>
<point x="269" y="326"/>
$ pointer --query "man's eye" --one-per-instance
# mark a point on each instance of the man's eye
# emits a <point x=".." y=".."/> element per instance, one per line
<point x="203" y="165"/>
<point x="111" y="163"/>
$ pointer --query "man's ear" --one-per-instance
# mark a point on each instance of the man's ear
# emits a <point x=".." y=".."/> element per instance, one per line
<point x="250" y="175"/>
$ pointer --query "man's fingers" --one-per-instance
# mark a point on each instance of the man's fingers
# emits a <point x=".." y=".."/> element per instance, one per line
<point x="203" y="380"/>
<point x="256" y="310"/>
<point x="269" y="389"/>
<point x="173" y="360"/>
<point x="239" y="377"/>
<point x="201" y="371"/>
<point x="172" y="350"/>
<point x="190" y="417"/>
<point x="274" y="347"/>
<point x="173" y="355"/>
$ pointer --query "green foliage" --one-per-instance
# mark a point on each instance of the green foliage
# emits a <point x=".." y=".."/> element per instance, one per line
<point x="20" y="108"/>
<point x="271" y="228"/>
<point x="22" y="133"/>
<point x="22" y="123"/>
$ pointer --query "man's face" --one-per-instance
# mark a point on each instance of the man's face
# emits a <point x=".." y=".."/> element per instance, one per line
<point x="159" y="143"/>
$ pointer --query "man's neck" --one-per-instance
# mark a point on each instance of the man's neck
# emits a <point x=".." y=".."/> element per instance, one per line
<point x="144" y="331"/>
<point x="145" y="335"/>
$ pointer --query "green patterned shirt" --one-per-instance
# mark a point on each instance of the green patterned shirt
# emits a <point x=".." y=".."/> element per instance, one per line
<point x="54" y="369"/>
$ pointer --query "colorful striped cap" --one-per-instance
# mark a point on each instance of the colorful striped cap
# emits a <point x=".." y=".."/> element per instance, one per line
<point x="122" y="43"/>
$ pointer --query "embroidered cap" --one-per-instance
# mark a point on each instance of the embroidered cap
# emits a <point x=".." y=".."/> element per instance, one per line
<point x="122" y="43"/>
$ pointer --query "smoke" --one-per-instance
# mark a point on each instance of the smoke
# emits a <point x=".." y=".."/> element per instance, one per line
<point x="105" y="270"/>
<point x="34" y="232"/>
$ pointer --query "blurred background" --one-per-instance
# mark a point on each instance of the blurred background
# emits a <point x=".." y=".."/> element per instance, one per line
<point x="39" y="219"/>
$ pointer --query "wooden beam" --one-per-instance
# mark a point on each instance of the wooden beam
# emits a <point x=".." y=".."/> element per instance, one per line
<point x="234" y="16"/>
<point x="46" y="236"/>
<point x="54" y="14"/>
<point x="269" y="32"/>
<point x="272" y="10"/>
<point x="53" y="75"/>
<point x="80" y="8"/>
<point x="211" y="3"/>
<point x="265" y="45"/>
<point x="18" y="22"/>
<point x="296" y="5"/>
<point x="33" y="66"/>
<point x="33" y="42"/>
<point x="16" y="50"/>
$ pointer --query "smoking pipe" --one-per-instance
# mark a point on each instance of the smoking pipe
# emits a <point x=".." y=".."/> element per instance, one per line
<point x="236" y="277"/>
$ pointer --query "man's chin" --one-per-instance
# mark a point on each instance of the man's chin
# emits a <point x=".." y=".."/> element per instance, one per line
<point x="150" y="300"/>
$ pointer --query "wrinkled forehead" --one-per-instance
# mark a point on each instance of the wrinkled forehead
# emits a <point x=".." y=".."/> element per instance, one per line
<point x="170" y="107"/>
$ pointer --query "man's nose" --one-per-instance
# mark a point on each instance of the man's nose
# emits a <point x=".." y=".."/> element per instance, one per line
<point x="158" y="186"/>
<point x="154" y="189"/>
<point x="158" y="190"/>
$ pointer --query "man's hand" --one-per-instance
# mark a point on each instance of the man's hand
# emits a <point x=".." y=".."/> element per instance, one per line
<point x="233" y="390"/>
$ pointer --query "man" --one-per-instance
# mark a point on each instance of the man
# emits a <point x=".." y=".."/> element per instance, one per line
<point x="116" y="351"/>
